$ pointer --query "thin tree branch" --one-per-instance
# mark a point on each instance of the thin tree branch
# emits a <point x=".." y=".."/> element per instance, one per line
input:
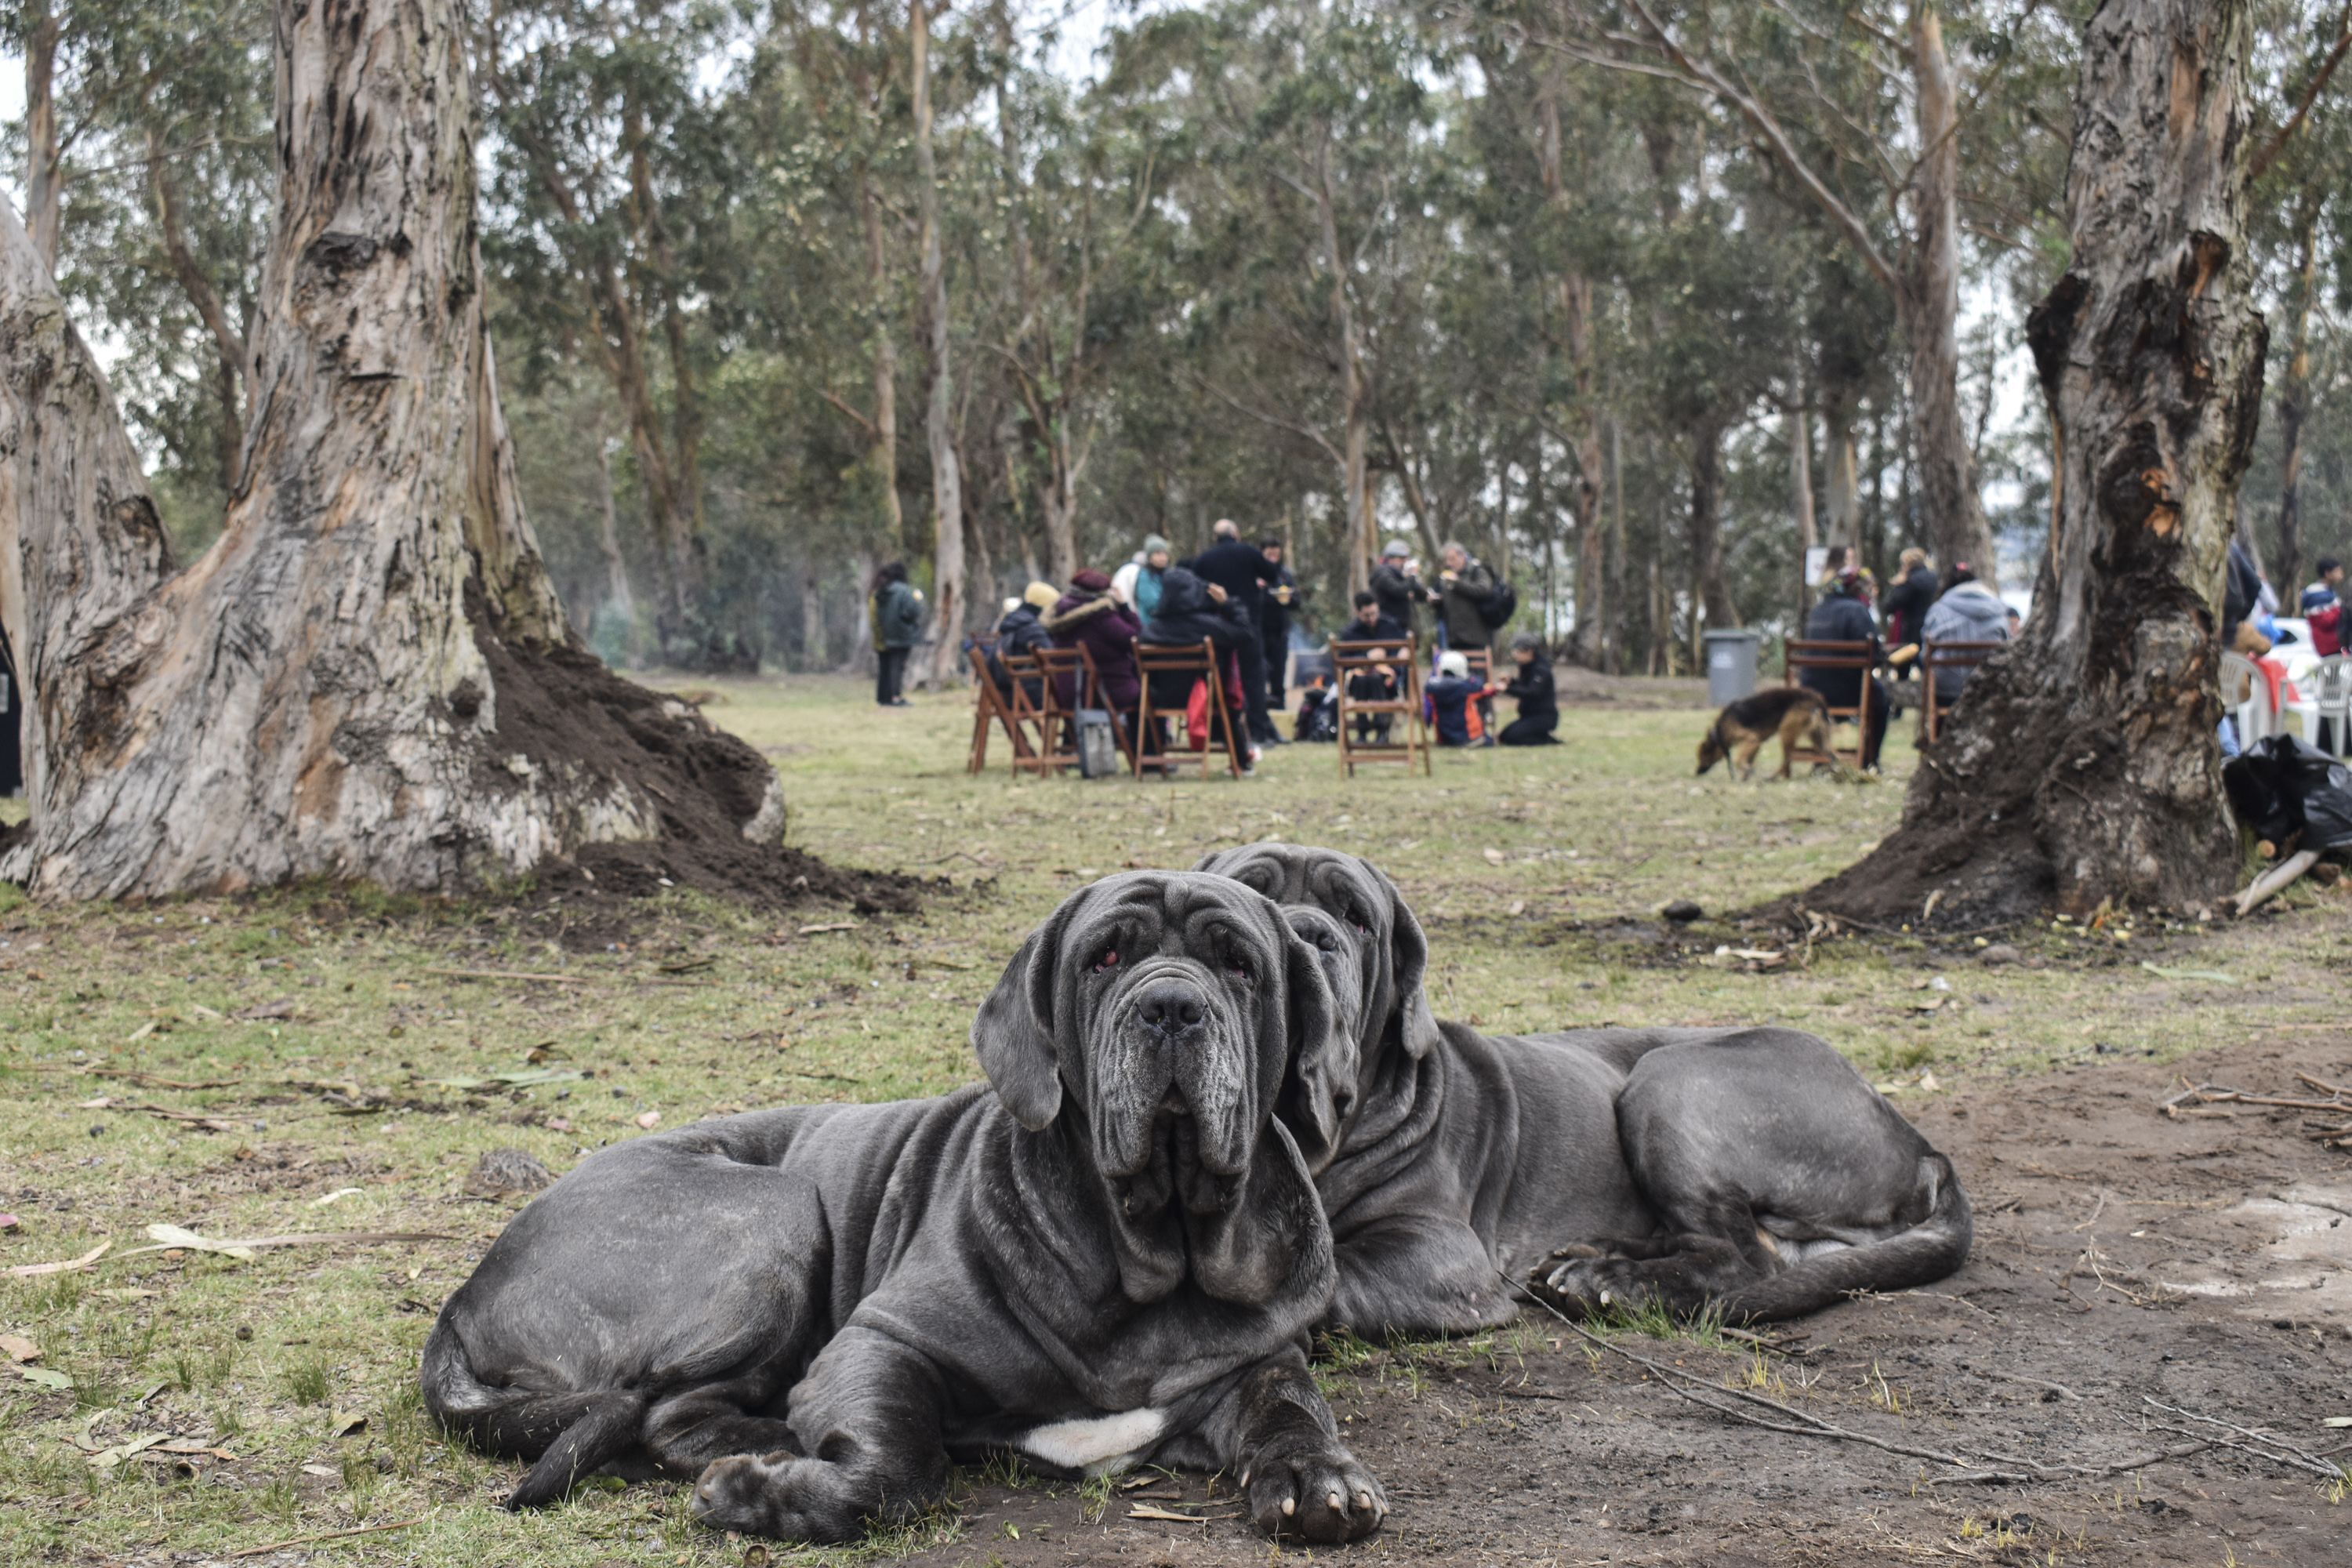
<point x="2263" y="160"/>
<point x="1221" y="395"/>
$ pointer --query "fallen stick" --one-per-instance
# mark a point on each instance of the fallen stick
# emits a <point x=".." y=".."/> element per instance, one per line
<point x="2276" y="880"/>
<point x="2294" y="1458"/>
<point x="331" y="1535"/>
<point x="561" y="979"/>
<point x="2339" y="1090"/>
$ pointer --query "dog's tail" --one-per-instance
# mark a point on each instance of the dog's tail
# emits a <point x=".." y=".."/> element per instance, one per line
<point x="570" y="1434"/>
<point x="1930" y="1251"/>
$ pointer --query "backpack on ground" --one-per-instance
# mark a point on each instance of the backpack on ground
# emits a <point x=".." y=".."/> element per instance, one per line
<point x="1097" y="745"/>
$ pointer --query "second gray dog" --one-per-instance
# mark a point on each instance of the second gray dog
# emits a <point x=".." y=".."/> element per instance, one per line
<point x="1748" y="1168"/>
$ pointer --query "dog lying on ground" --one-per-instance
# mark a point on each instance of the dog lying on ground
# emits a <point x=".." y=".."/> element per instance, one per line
<point x="1797" y="714"/>
<point x="1752" y="1169"/>
<point x="1115" y="1257"/>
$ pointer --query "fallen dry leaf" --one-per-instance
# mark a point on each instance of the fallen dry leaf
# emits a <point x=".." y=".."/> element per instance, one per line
<point x="25" y="1271"/>
<point x="649" y="1120"/>
<point x="1147" y="1512"/>
<point x="19" y="1348"/>
<point x="344" y="1422"/>
<point x="100" y="1104"/>
<point x="320" y="1470"/>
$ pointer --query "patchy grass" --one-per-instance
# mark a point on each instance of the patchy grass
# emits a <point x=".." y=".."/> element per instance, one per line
<point x="345" y="1086"/>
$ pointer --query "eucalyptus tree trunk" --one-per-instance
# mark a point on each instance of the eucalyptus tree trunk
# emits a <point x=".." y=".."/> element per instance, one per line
<point x="44" y="154"/>
<point x="1355" y="389"/>
<point x="1800" y="482"/>
<point x="367" y="674"/>
<point x="947" y="476"/>
<point x="1710" y="594"/>
<point x="1957" y="529"/>
<point x="2294" y="397"/>
<point x="2081" y="764"/>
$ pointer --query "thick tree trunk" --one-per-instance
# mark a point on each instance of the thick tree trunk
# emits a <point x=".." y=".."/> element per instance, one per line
<point x="883" y="459"/>
<point x="947" y="477"/>
<point x="1801" y="483"/>
<point x="2081" y="764"/>
<point x="1841" y="471"/>
<point x="368" y="676"/>
<point x="1930" y="302"/>
<point x="616" y="566"/>
<point x="2295" y="400"/>
<point x="1709" y="591"/>
<point x="228" y="343"/>
<point x="1355" y="396"/>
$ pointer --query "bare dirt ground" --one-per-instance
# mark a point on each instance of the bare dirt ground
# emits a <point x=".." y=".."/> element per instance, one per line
<point x="2122" y="1256"/>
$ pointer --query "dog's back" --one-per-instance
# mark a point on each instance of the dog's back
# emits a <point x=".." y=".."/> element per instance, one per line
<point x="1797" y="714"/>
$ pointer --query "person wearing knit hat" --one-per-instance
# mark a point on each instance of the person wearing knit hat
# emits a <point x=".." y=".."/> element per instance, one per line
<point x="1138" y="581"/>
<point x="1454" y="698"/>
<point x="1843" y="615"/>
<point x="1040" y="597"/>
<point x="1092" y="618"/>
<point x="1023" y="631"/>
<point x="1396" y="583"/>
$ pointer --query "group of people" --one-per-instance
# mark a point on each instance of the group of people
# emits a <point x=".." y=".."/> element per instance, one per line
<point x="1924" y="606"/>
<point x="1239" y="598"/>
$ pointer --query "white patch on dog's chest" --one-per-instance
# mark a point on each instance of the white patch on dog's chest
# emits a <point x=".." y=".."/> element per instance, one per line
<point x="1099" y="1445"/>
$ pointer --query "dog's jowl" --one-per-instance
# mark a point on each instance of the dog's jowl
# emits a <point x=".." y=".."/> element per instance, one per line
<point x="1110" y="1255"/>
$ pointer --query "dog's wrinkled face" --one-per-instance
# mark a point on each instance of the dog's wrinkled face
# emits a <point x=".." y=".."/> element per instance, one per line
<point x="1159" y="1011"/>
<point x="1390" y="957"/>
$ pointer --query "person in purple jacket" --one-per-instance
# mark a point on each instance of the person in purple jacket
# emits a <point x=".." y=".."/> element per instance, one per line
<point x="1091" y="616"/>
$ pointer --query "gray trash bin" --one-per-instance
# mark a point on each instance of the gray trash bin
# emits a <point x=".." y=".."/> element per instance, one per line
<point x="1730" y="664"/>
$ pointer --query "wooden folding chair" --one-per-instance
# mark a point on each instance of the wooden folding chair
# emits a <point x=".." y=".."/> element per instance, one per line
<point x="989" y="709"/>
<point x="1806" y="654"/>
<point x="1055" y="717"/>
<point x="1182" y="659"/>
<point x="1401" y="710"/>
<point x="1955" y="655"/>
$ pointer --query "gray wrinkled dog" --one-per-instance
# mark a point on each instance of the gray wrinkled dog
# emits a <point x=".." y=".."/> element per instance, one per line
<point x="1114" y="1258"/>
<point x="1752" y="1169"/>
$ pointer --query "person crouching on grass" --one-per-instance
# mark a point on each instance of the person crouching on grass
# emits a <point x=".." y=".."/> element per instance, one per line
<point x="1531" y="684"/>
<point x="1453" y="700"/>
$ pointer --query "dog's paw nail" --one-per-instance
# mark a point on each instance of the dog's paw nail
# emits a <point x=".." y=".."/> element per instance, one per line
<point x="1245" y="1476"/>
<point x="1289" y="1505"/>
<point x="1335" y="1501"/>
<point x="1364" y="1501"/>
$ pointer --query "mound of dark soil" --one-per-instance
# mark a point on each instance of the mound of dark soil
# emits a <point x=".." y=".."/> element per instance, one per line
<point x="569" y="715"/>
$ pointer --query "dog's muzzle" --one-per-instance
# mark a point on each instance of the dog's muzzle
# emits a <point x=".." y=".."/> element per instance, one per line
<point x="1167" y="1133"/>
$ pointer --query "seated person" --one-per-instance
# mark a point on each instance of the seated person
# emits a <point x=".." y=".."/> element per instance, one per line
<point x="1022" y="632"/>
<point x="1843" y="615"/>
<point x="1378" y="684"/>
<point x="1191" y="612"/>
<point x="1453" y="700"/>
<point x="1967" y="612"/>
<point x="1531" y="684"/>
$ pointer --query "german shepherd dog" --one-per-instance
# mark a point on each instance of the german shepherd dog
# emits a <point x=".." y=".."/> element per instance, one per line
<point x="1797" y="714"/>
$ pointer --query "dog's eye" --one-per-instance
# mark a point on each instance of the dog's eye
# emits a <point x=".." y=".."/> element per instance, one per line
<point x="1108" y="960"/>
<point x="1238" y="966"/>
<point x="1325" y="941"/>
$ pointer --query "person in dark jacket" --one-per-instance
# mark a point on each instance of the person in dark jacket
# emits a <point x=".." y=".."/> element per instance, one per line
<point x="1396" y="583"/>
<point x="1378" y="684"/>
<point x="1844" y="617"/>
<point x="1373" y="622"/>
<point x="2242" y="592"/>
<point x="1469" y="589"/>
<point x="1245" y="574"/>
<point x="1906" y="602"/>
<point x="1280" y="598"/>
<point x="896" y="616"/>
<point x="1532" y="685"/>
<point x="1091" y="616"/>
<point x="1193" y="612"/>
<point x="1023" y="631"/>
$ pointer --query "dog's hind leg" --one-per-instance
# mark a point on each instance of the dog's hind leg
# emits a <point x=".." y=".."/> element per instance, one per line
<point x="1746" y="760"/>
<point x="867" y="1418"/>
<point x="688" y="1430"/>
<point x="1823" y="1189"/>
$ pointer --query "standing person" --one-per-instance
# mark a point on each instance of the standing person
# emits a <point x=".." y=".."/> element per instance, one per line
<point x="2325" y="589"/>
<point x="1396" y="583"/>
<point x="1469" y="590"/>
<point x="1139" y="581"/>
<point x="1274" y="625"/>
<point x="1538" y="703"/>
<point x="1245" y="574"/>
<point x="895" y="613"/>
<point x="1843" y="615"/>
<point x="1906" y="602"/>
<point x="1967" y="611"/>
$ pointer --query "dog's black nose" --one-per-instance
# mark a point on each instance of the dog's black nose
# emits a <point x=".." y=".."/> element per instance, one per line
<point x="1170" y="1007"/>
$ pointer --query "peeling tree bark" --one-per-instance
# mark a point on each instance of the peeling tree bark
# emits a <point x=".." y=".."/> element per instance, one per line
<point x="342" y="684"/>
<point x="946" y="474"/>
<point x="2081" y="764"/>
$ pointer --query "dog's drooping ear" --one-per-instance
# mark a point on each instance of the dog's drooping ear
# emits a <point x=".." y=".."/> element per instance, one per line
<point x="1012" y="1034"/>
<point x="1324" y="1057"/>
<point x="1415" y="1024"/>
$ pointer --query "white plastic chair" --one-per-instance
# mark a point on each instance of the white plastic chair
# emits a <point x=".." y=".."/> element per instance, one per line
<point x="2331" y="688"/>
<point x="2247" y="695"/>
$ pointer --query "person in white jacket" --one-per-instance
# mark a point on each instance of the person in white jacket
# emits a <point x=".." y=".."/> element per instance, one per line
<point x="1967" y="612"/>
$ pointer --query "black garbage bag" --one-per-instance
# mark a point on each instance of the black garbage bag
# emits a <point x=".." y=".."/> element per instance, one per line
<point x="2281" y="785"/>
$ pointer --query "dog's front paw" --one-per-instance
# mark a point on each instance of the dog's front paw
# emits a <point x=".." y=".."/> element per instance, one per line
<point x="1313" y="1487"/>
<point x="766" y="1494"/>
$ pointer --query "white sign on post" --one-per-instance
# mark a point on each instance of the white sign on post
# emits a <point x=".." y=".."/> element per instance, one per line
<point x="1817" y="561"/>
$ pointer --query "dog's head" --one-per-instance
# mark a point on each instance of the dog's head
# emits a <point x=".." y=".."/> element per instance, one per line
<point x="1712" y="750"/>
<point x="1374" y="958"/>
<point x="1157" y="1013"/>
